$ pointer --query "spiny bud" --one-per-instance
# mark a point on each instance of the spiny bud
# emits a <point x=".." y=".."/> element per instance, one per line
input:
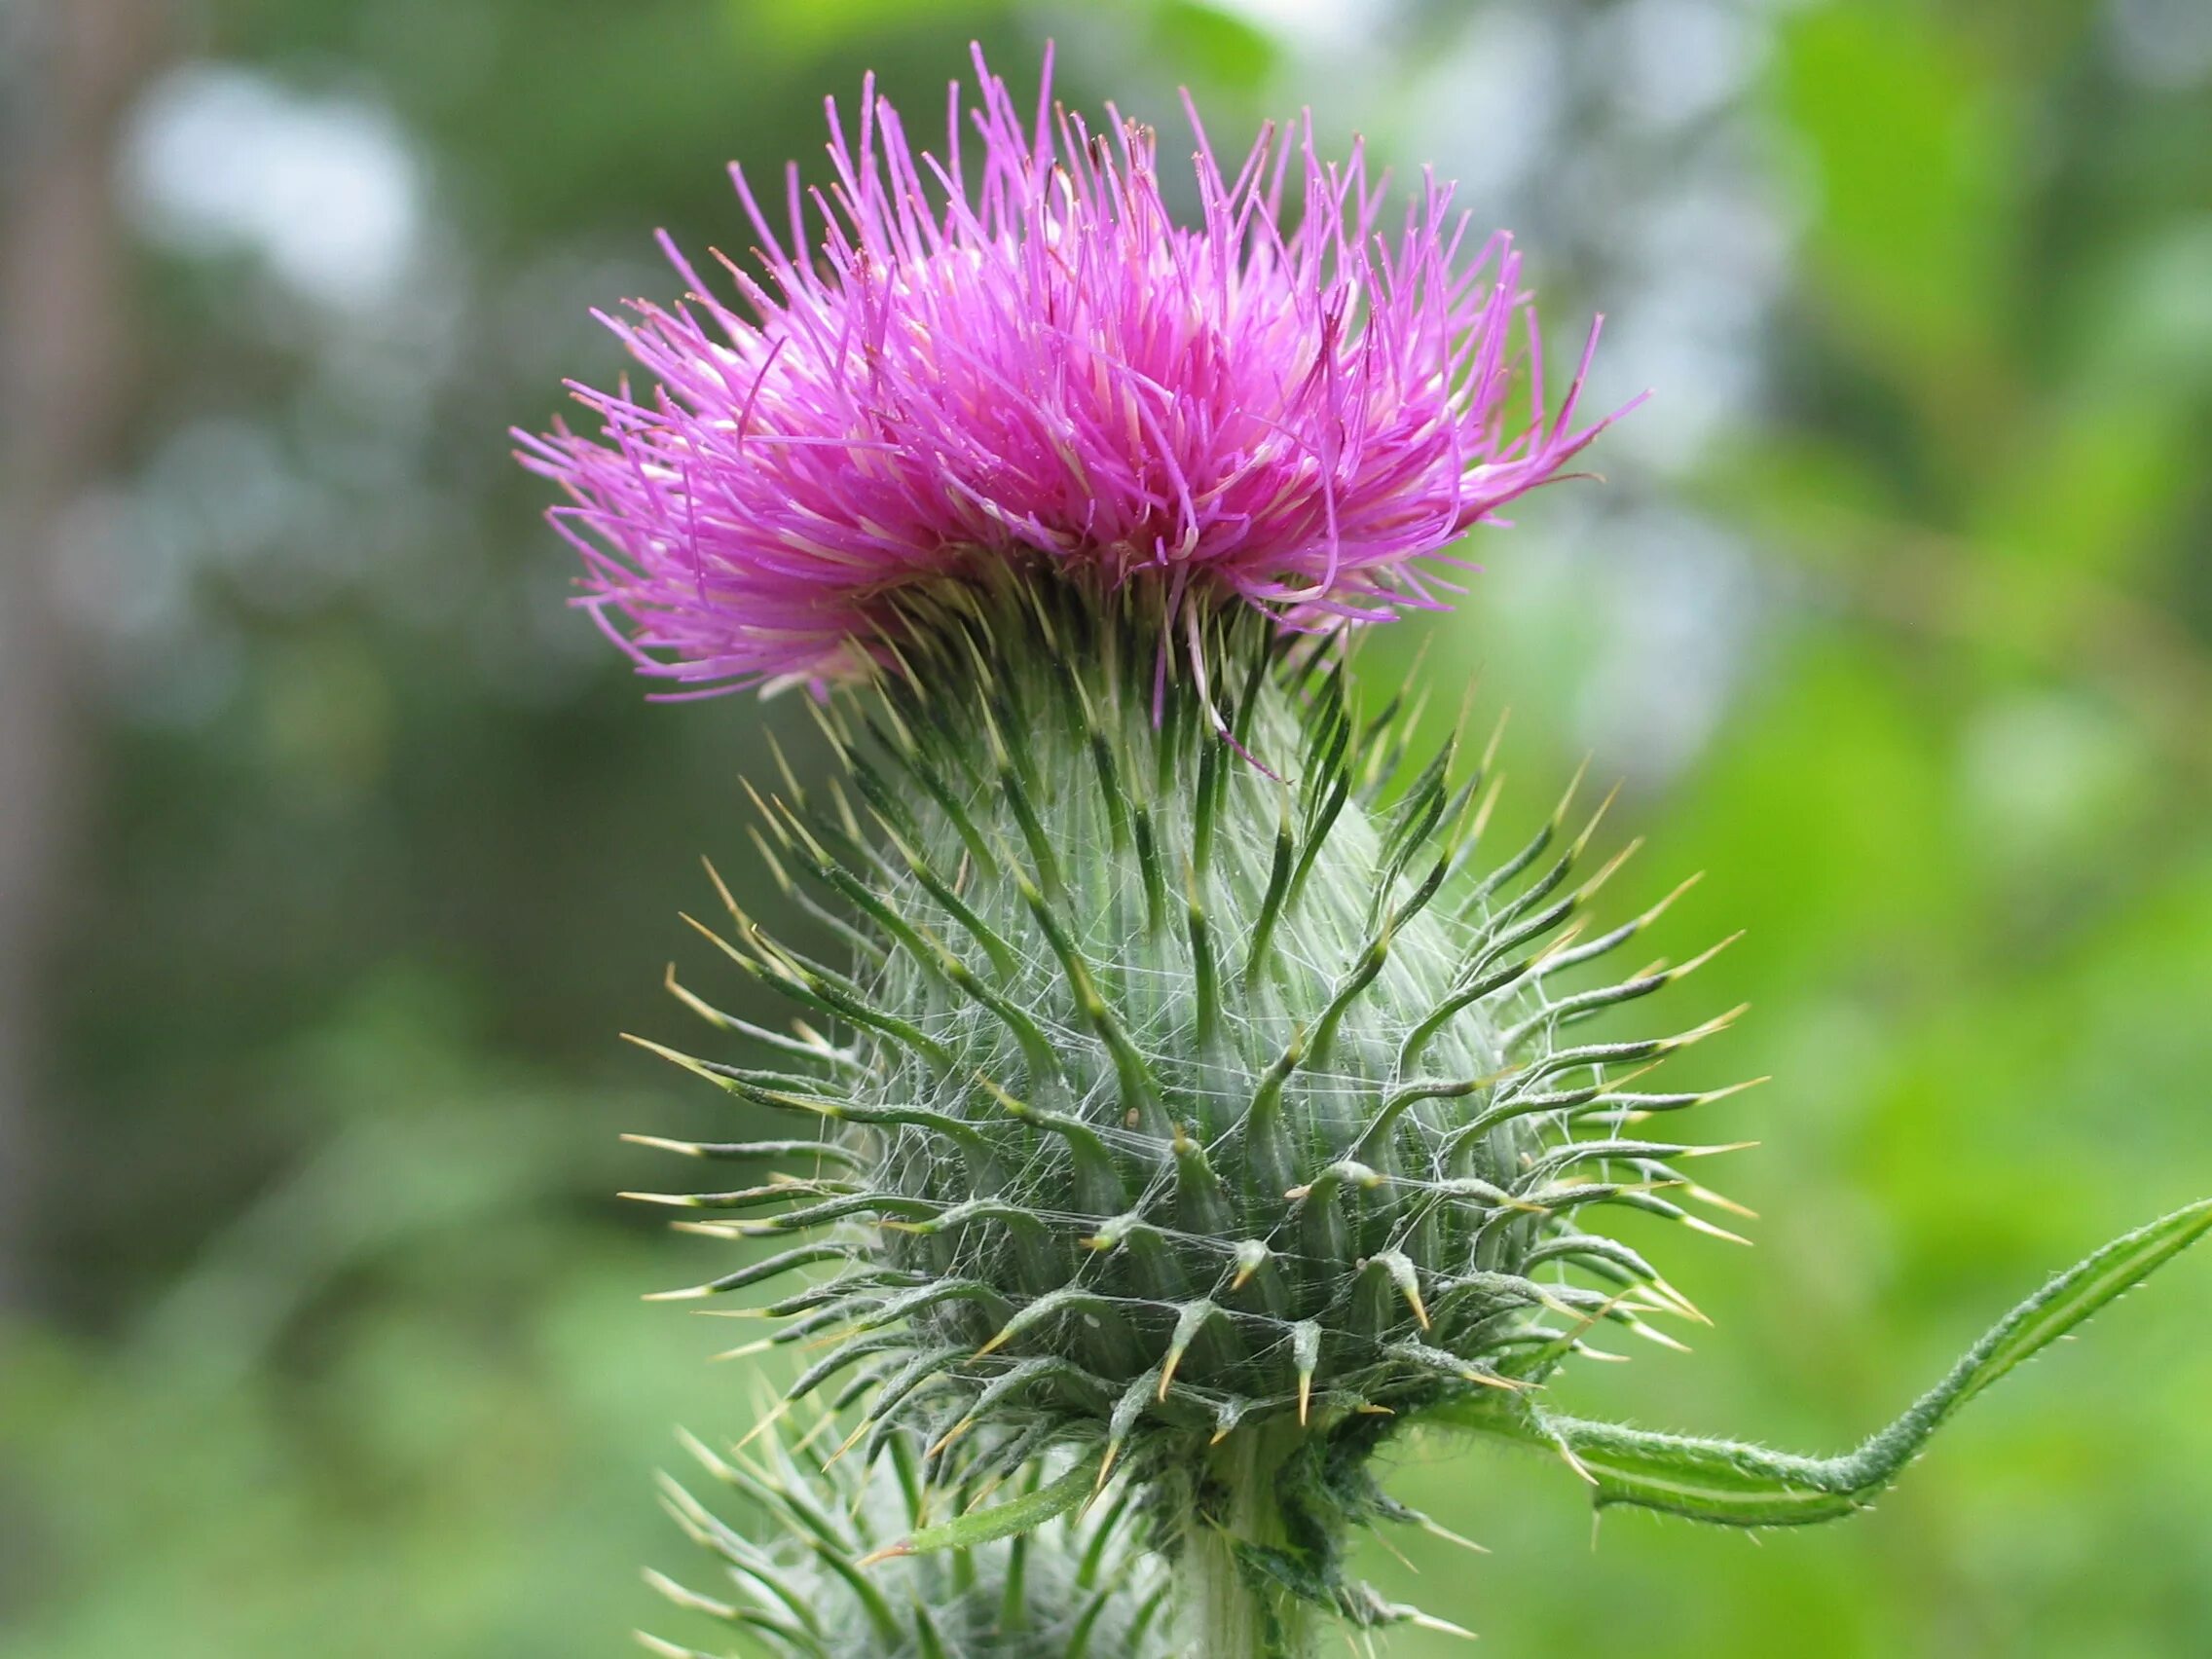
<point x="844" y="1578"/>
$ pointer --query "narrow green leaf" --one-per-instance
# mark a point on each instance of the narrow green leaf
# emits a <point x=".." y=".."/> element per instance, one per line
<point x="1006" y="1519"/>
<point x="1731" y="1484"/>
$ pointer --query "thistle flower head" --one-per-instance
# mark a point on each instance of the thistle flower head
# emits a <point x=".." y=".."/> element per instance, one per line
<point x="1014" y="353"/>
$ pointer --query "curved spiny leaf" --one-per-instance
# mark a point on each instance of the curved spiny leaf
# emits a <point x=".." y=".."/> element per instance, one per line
<point x="1729" y="1482"/>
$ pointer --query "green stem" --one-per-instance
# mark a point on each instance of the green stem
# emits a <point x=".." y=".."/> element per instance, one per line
<point x="1226" y="1613"/>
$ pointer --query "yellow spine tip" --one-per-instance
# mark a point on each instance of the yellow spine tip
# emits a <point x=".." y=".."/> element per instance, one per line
<point x="951" y="1435"/>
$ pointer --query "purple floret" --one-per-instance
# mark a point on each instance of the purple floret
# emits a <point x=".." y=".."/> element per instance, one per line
<point x="1041" y="367"/>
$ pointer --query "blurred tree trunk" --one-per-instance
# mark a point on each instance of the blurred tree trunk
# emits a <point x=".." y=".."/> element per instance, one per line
<point x="73" y="68"/>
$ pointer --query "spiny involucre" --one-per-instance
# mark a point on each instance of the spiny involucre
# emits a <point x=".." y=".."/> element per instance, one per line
<point x="836" y="1577"/>
<point x="1200" y="1098"/>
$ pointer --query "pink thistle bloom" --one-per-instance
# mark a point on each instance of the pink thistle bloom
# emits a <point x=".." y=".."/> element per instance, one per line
<point x="1043" y="368"/>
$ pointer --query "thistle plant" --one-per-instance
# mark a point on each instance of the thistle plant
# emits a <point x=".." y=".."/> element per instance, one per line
<point x="1199" y="1099"/>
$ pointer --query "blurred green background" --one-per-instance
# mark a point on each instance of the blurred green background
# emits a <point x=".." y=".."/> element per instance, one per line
<point x="335" y="852"/>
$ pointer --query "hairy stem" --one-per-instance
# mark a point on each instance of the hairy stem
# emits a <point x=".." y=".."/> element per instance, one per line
<point x="1227" y="1610"/>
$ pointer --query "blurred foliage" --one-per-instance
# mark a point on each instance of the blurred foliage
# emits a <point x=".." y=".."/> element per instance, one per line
<point x="1907" y="638"/>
